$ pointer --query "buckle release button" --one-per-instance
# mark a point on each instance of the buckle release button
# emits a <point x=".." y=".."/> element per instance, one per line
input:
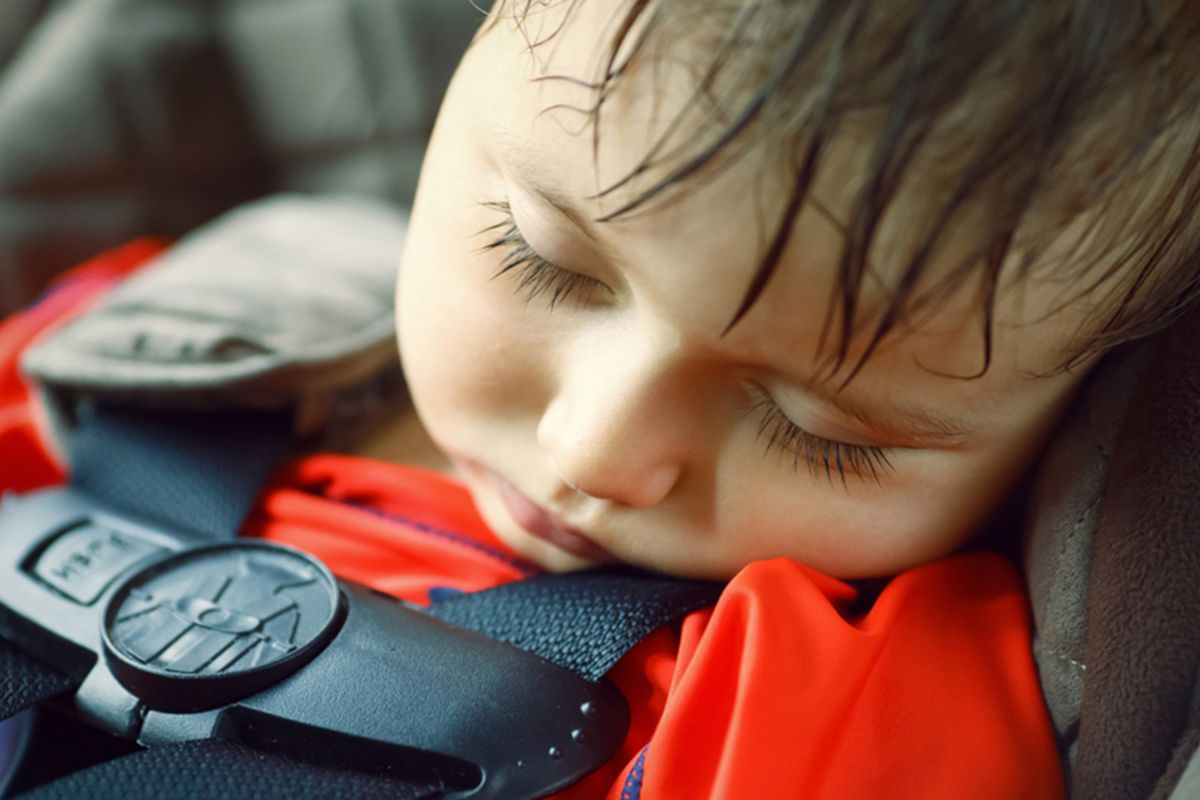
<point x="84" y="560"/>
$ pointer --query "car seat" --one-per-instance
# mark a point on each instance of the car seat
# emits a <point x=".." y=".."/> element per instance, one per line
<point x="122" y="118"/>
<point x="186" y="111"/>
<point x="1112" y="556"/>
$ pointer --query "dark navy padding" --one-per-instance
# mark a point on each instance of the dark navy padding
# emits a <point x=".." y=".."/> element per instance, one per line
<point x="219" y="770"/>
<point x="196" y="471"/>
<point x="584" y="621"/>
<point x="25" y="681"/>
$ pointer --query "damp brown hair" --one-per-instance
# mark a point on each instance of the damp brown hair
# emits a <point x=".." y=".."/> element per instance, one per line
<point x="1040" y="113"/>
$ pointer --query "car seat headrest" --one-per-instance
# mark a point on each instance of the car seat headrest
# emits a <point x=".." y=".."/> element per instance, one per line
<point x="1113" y="561"/>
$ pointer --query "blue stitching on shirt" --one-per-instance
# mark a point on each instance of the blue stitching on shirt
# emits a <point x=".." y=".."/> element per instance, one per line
<point x="632" y="790"/>
<point x="447" y="535"/>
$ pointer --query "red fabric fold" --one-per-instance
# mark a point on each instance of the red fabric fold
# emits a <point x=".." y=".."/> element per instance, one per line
<point x="931" y="694"/>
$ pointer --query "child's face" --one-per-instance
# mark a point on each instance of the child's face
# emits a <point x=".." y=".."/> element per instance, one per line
<point x="621" y="424"/>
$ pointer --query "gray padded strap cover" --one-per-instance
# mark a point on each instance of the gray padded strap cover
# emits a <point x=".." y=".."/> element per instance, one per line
<point x="279" y="300"/>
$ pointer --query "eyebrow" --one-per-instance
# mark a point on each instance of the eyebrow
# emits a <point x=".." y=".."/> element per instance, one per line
<point x="526" y="169"/>
<point x="562" y="206"/>
<point x="924" y="424"/>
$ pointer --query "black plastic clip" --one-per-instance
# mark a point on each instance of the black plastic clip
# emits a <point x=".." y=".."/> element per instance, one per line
<point x="176" y="638"/>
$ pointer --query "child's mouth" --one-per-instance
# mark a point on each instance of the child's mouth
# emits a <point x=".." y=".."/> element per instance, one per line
<point x="539" y="523"/>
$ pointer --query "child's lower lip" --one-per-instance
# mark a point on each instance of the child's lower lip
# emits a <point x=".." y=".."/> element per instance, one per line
<point x="535" y="521"/>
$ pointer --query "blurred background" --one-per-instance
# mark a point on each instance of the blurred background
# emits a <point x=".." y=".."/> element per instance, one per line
<point x="120" y="118"/>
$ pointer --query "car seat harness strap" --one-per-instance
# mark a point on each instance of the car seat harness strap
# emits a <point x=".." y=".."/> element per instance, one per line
<point x="132" y="585"/>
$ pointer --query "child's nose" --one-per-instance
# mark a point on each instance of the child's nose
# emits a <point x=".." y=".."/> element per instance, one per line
<point x="617" y="432"/>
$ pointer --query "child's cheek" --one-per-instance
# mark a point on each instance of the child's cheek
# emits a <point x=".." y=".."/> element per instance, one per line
<point x="470" y="365"/>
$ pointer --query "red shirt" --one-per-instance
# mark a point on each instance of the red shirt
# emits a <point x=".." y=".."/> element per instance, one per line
<point x="779" y="691"/>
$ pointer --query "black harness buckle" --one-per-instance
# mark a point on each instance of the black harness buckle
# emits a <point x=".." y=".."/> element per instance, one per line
<point x="175" y="638"/>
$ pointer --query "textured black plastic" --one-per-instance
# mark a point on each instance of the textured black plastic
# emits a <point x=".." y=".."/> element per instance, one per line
<point x="395" y="689"/>
<point x="211" y="625"/>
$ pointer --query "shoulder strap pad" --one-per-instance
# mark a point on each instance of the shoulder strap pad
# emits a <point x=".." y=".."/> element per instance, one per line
<point x="283" y="303"/>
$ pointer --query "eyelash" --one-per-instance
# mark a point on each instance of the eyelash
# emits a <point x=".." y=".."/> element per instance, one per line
<point x="821" y="455"/>
<point x="535" y="276"/>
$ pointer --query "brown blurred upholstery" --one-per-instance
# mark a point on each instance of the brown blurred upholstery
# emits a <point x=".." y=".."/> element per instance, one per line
<point x="1113" y="559"/>
<point x="125" y="117"/>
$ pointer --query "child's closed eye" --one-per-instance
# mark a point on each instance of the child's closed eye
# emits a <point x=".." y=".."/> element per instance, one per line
<point x="822" y="456"/>
<point x="535" y="276"/>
